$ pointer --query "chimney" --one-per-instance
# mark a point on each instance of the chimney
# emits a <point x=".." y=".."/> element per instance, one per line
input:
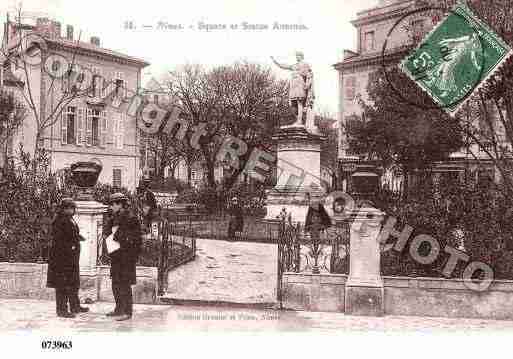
<point x="95" y="40"/>
<point x="69" y="32"/>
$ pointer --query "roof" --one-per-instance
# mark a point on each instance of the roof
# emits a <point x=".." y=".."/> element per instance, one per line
<point x="88" y="47"/>
<point x="374" y="58"/>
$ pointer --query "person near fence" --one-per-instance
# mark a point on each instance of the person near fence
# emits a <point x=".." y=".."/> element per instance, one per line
<point x="124" y="259"/>
<point x="145" y="195"/>
<point x="236" y="223"/>
<point x="63" y="261"/>
<point x="317" y="219"/>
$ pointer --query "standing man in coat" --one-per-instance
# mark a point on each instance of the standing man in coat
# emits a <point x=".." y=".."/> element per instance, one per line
<point x="123" y="261"/>
<point x="236" y="223"/>
<point x="63" y="262"/>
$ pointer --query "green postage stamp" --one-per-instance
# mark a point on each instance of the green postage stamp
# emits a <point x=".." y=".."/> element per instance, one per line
<point x="455" y="58"/>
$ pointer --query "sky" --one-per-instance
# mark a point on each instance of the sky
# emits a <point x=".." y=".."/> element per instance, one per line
<point x="328" y="32"/>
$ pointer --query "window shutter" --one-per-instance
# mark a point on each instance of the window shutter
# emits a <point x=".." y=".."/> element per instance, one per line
<point x="103" y="128"/>
<point x="75" y="125"/>
<point x="103" y="87"/>
<point x="64" y="127"/>
<point x="80" y="126"/>
<point x="89" y="127"/>
<point x="116" y="177"/>
<point x="121" y="130"/>
<point x="115" y="129"/>
<point x="108" y="130"/>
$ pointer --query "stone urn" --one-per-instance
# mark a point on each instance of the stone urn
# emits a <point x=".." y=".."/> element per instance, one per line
<point x="85" y="175"/>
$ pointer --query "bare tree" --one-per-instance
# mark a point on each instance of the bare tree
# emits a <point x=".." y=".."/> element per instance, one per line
<point x="12" y="114"/>
<point x="244" y="101"/>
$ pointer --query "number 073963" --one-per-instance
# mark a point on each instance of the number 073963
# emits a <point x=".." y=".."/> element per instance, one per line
<point x="56" y="344"/>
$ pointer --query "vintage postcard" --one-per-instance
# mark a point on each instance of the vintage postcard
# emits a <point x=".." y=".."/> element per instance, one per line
<point x="229" y="167"/>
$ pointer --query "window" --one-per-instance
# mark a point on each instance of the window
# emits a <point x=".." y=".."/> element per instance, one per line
<point x="116" y="177"/>
<point x="350" y="88"/>
<point x="69" y="125"/>
<point x="96" y="83"/>
<point x="369" y="41"/>
<point x="119" y="130"/>
<point x="96" y="127"/>
<point x="485" y="177"/>
<point x="352" y="123"/>
<point x="486" y="147"/>
<point x="418" y="29"/>
<point x="121" y="86"/>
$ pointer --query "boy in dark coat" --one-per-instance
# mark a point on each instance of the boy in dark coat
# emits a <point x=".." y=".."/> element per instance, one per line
<point x="317" y="219"/>
<point x="236" y="223"/>
<point x="63" y="262"/>
<point x="123" y="260"/>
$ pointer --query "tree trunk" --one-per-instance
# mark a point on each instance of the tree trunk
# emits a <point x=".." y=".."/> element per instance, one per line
<point x="162" y="166"/>
<point x="189" y="174"/>
<point x="211" y="179"/>
<point x="37" y="146"/>
<point x="406" y="183"/>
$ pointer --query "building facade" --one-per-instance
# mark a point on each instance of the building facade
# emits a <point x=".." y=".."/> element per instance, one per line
<point x="83" y="127"/>
<point x="373" y="26"/>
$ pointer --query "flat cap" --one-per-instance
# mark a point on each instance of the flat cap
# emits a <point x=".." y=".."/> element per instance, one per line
<point x="117" y="197"/>
<point x="67" y="202"/>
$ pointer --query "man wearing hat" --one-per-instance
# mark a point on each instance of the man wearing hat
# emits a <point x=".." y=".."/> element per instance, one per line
<point x="127" y="232"/>
<point x="144" y="194"/>
<point x="63" y="262"/>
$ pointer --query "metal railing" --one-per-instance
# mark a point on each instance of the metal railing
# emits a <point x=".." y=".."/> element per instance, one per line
<point x="177" y="245"/>
<point x="299" y="251"/>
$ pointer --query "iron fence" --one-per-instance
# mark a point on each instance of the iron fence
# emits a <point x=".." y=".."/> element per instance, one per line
<point x="298" y="251"/>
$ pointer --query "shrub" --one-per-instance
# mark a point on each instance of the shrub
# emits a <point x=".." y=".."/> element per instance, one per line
<point x="251" y="198"/>
<point x="476" y="219"/>
<point x="29" y="196"/>
<point x="169" y="185"/>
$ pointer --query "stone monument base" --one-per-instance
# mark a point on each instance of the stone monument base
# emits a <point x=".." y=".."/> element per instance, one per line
<point x="293" y="200"/>
<point x="298" y="155"/>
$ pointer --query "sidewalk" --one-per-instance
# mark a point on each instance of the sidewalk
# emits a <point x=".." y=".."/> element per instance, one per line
<point x="39" y="316"/>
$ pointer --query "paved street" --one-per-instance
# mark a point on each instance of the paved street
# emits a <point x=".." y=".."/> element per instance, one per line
<point x="37" y="316"/>
<point x="237" y="272"/>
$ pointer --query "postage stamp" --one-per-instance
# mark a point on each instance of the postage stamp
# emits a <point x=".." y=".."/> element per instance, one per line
<point x="456" y="58"/>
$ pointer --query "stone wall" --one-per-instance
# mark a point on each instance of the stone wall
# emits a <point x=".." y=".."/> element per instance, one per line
<point x="447" y="298"/>
<point x="28" y="280"/>
<point x="435" y="297"/>
<point x="314" y="292"/>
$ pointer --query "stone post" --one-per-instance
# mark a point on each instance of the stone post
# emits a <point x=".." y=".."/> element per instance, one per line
<point x="89" y="218"/>
<point x="364" y="287"/>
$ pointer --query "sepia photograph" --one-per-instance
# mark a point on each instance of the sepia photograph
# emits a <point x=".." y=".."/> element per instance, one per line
<point x="337" y="172"/>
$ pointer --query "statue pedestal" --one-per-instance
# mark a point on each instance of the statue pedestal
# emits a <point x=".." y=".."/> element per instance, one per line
<point x="298" y="173"/>
<point x="364" y="287"/>
<point x="89" y="218"/>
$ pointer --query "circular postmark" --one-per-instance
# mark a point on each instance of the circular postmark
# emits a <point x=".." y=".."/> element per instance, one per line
<point x="437" y="63"/>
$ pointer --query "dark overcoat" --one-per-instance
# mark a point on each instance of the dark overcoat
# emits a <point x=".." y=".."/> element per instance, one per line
<point x="317" y="219"/>
<point x="123" y="260"/>
<point x="64" y="254"/>
<point x="236" y="223"/>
